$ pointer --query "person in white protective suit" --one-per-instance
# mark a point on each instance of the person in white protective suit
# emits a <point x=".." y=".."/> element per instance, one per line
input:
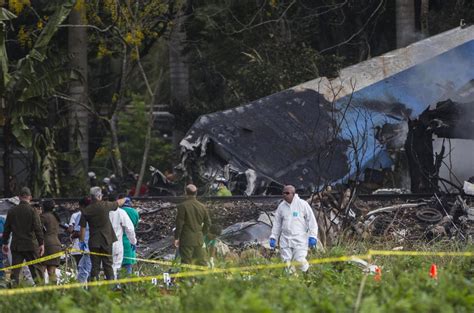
<point x="120" y="223"/>
<point x="296" y="227"/>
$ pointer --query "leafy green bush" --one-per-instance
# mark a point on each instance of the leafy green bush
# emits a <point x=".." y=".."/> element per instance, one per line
<point x="405" y="287"/>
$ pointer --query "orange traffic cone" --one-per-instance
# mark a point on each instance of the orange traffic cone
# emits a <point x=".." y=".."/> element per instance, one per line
<point x="378" y="274"/>
<point x="434" y="271"/>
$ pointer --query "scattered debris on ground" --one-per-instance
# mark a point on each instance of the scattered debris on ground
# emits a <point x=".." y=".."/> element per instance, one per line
<point x="247" y="224"/>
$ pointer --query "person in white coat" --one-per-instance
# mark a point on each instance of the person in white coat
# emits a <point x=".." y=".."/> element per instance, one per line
<point x="120" y="223"/>
<point x="296" y="227"/>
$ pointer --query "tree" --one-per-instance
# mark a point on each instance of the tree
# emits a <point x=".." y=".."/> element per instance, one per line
<point x="78" y="114"/>
<point x="179" y="71"/>
<point x="405" y="22"/>
<point x="179" y="65"/>
<point x="132" y="134"/>
<point x="123" y="34"/>
<point x="24" y="89"/>
<point x="244" y="50"/>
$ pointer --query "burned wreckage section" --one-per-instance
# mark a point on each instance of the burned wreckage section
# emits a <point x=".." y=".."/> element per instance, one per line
<point x="289" y="137"/>
<point x="392" y="114"/>
<point x="450" y="120"/>
<point x="331" y="132"/>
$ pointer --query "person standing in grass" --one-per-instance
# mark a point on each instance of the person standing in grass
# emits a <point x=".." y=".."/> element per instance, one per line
<point x="74" y="236"/>
<point x="2" y="222"/>
<point x="24" y="225"/>
<point x="101" y="232"/>
<point x="192" y="223"/>
<point x="84" y="265"/>
<point x="129" y="253"/>
<point x="210" y="242"/>
<point x="52" y="245"/>
<point x="122" y="225"/>
<point x="296" y="227"/>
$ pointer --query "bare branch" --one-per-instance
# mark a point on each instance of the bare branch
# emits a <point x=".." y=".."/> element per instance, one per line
<point x="357" y="32"/>
<point x="102" y="30"/>
<point x="249" y="27"/>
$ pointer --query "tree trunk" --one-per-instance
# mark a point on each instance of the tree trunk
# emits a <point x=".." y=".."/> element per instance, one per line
<point x="146" y="150"/>
<point x="151" y="120"/>
<point x="179" y="67"/>
<point x="179" y="71"/>
<point x="116" y="155"/>
<point x="425" y="7"/>
<point x="115" y="109"/>
<point x="405" y="22"/>
<point x="78" y="115"/>
<point x="7" y="152"/>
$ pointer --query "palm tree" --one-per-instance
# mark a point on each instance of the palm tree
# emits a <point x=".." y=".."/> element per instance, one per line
<point x="23" y="88"/>
<point x="78" y="114"/>
<point x="178" y="62"/>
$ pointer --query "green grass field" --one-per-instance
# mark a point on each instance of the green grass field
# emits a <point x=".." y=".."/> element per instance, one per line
<point x="405" y="287"/>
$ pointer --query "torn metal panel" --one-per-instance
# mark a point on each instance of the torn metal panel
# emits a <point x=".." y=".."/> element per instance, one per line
<point x="256" y="231"/>
<point x="294" y="130"/>
<point x="451" y="119"/>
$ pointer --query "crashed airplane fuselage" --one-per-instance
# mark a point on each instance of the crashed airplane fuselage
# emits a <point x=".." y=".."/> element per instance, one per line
<point x="330" y="131"/>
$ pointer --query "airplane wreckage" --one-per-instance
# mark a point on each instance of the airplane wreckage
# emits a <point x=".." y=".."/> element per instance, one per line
<point x="390" y="110"/>
<point x="393" y="113"/>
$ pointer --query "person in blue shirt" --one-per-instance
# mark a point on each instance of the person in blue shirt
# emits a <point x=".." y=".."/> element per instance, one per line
<point x="2" y="222"/>
<point x="85" y="265"/>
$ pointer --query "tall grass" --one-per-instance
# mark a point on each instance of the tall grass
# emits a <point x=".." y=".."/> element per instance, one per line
<point x="405" y="287"/>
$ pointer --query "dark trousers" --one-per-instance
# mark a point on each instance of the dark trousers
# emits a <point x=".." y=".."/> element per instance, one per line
<point x="37" y="270"/>
<point x="106" y="261"/>
<point x="2" y="273"/>
<point x="192" y="255"/>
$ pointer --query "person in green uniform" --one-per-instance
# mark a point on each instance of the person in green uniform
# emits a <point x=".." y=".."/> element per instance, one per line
<point x="101" y="232"/>
<point x="24" y="224"/>
<point x="222" y="190"/>
<point x="210" y="241"/>
<point x="52" y="245"/>
<point x="192" y="223"/>
<point x="129" y="253"/>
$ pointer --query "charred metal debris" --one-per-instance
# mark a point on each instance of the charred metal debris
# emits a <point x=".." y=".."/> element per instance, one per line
<point x="246" y="225"/>
<point x="376" y="123"/>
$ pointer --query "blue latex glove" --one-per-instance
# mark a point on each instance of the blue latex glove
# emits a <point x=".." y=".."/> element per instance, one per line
<point x="273" y="243"/>
<point x="82" y="245"/>
<point x="134" y="247"/>
<point x="312" y="242"/>
<point x="128" y="202"/>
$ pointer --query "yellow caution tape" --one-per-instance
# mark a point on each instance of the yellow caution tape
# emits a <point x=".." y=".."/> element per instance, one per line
<point x="167" y="263"/>
<point x="16" y="291"/>
<point x="245" y="269"/>
<point x="339" y="259"/>
<point x="35" y="261"/>
<point x="420" y="253"/>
